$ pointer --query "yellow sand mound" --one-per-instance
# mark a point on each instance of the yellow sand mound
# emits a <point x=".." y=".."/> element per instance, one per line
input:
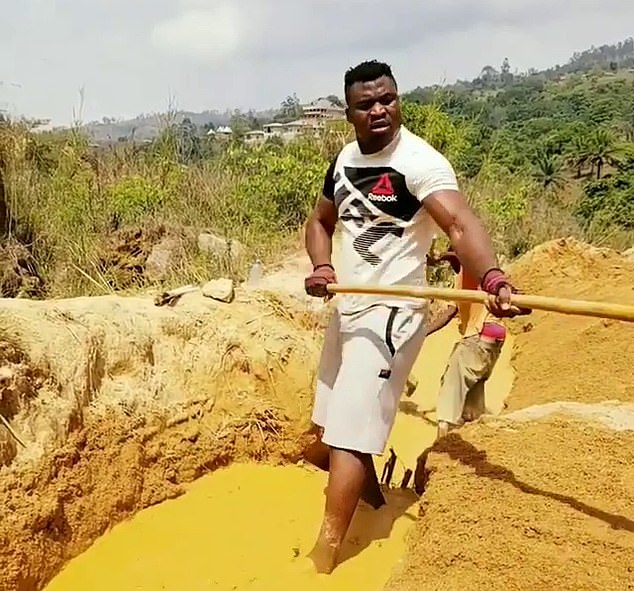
<point x="533" y="506"/>
<point x="562" y="357"/>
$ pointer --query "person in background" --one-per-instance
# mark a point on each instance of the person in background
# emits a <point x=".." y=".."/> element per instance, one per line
<point x="461" y="396"/>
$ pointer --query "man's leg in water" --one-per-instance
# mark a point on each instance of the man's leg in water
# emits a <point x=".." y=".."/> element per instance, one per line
<point x="379" y="350"/>
<point x="318" y="454"/>
<point x="348" y="472"/>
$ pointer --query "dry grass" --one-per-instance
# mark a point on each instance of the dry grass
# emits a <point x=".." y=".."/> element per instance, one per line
<point x="68" y="202"/>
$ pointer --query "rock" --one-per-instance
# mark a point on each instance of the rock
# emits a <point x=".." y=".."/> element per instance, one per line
<point x="629" y="254"/>
<point x="216" y="245"/>
<point x="219" y="289"/>
<point x="162" y="259"/>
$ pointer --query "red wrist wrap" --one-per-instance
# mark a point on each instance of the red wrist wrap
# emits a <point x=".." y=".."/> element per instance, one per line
<point x="493" y="281"/>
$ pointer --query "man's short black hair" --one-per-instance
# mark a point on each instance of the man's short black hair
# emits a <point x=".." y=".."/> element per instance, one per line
<point x="366" y="72"/>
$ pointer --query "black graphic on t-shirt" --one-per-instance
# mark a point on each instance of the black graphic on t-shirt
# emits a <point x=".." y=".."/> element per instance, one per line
<point x="368" y="238"/>
<point x="340" y="194"/>
<point x="386" y="189"/>
<point x="330" y="179"/>
<point x="358" y="213"/>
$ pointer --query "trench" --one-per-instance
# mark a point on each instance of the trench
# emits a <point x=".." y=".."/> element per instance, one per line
<point x="249" y="526"/>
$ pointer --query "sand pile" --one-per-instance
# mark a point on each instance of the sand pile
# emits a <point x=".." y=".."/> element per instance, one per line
<point x="119" y="402"/>
<point x="561" y="357"/>
<point x="545" y="505"/>
<point x="547" y="502"/>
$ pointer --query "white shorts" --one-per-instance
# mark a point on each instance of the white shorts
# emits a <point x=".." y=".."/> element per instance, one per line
<point x="365" y="362"/>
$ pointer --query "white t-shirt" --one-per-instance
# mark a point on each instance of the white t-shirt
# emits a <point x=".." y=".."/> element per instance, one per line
<point x="386" y="232"/>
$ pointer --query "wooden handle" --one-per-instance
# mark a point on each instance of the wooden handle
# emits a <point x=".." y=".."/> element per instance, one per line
<point x="532" y="302"/>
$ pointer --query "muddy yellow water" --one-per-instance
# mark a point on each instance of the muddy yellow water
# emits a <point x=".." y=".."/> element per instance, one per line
<point x="250" y="526"/>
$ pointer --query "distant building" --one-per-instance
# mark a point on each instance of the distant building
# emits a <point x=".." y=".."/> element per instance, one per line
<point x="313" y="121"/>
<point x="223" y="130"/>
<point x="256" y="135"/>
<point x="292" y="129"/>
<point x="274" y="128"/>
<point x="321" y="109"/>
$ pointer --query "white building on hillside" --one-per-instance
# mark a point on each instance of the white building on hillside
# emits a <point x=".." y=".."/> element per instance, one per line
<point x="321" y="109"/>
<point x="315" y="115"/>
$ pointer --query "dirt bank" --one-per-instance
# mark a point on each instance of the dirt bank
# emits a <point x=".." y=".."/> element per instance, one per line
<point x="120" y="402"/>
<point x="560" y="357"/>
<point x="547" y="503"/>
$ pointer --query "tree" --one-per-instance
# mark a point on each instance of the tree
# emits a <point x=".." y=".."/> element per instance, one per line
<point x="335" y="100"/>
<point x="252" y="121"/>
<point x="239" y="124"/>
<point x="489" y="75"/>
<point x="187" y="141"/>
<point x="608" y="201"/>
<point x="578" y="153"/>
<point x="505" y="73"/>
<point x="290" y="109"/>
<point x="602" y="149"/>
<point x="548" y="170"/>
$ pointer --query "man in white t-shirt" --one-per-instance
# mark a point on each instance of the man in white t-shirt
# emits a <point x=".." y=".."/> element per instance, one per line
<point x="390" y="191"/>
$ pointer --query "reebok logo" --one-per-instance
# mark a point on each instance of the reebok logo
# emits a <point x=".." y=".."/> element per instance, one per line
<point x="383" y="190"/>
<point x="375" y="197"/>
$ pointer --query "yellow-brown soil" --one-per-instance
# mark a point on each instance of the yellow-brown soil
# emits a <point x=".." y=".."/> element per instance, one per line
<point x="251" y="526"/>
<point x="537" y="506"/>
<point x="122" y="405"/>
<point x="563" y="357"/>
<point x="546" y="504"/>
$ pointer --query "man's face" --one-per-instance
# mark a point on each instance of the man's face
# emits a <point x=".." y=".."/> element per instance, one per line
<point x="374" y="110"/>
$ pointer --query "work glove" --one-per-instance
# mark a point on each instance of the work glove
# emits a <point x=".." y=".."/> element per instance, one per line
<point x="315" y="284"/>
<point x="496" y="283"/>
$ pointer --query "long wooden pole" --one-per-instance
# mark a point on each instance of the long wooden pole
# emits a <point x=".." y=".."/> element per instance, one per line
<point x="533" y="302"/>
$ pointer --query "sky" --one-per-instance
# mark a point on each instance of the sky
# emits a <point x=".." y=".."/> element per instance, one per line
<point x="127" y="57"/>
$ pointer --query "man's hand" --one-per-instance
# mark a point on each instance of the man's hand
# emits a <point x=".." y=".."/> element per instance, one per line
<point x="499" y="288"/>
<point x="315" y="284"/>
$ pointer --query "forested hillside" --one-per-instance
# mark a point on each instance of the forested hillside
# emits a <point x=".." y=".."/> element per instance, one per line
<point x="570" y="129"/>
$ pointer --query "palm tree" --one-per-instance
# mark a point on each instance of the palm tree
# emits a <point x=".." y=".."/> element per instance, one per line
<point x="603" y="149"/>
<point x="578" y="153"/>
<point x="548" y="170"/>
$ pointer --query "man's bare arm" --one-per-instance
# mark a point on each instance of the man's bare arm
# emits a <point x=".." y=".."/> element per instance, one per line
<point x="470" y="241"/>
<point x="319" y="230"/>
<point x="442" y="320"/>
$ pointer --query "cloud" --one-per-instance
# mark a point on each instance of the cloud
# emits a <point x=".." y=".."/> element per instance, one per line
<point x="209" y="34"/>
<point x="132" y="56"/>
